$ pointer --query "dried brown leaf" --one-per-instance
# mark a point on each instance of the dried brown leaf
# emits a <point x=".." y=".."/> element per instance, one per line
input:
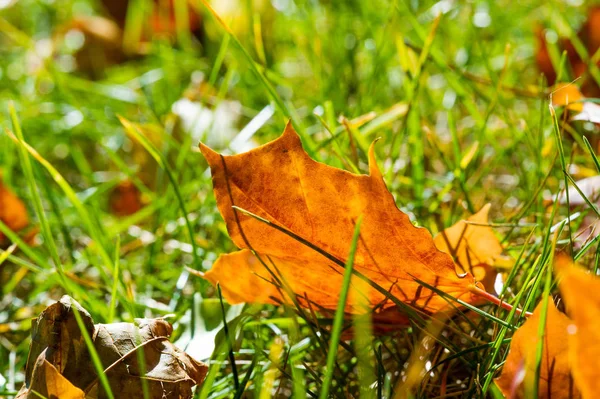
<point x="169" y="372"/>
<point x="49" y="383"/>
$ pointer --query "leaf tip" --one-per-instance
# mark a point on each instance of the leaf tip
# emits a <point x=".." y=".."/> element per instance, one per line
<point x="209" y="154"/>
<point x="373" y="168"/>
<point x="290" y="133"/>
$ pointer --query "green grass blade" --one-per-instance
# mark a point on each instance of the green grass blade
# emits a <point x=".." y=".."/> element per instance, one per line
<point x="93" y="353"/>
<point x="334" y="339"/>
<point x="133" y="130"/>
<point x="35" y="194"/>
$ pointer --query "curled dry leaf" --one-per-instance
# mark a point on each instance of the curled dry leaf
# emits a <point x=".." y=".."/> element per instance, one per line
<point x="473" y="245"/>
<point x="12" y="212"/>
<point x="555" y="374"/>
<point x="581" y="292"/>
<point x="57" y="339"/>
<point x="49" y="383"/>
<point x="320" y="205"/>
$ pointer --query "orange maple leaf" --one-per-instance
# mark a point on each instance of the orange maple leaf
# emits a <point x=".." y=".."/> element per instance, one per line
<point x="555" y="374"/>
<point x="319" y="205"/>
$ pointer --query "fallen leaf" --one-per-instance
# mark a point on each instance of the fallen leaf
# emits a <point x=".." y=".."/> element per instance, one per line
<point x="102" y="46"/>
<point x="581" y="292"/>
<point x="125" y="199"/>
<point x="473" y="245"/>
<point x="162" y="20"/>
<point x="567" y="95"/>
<point x="542" y="56"/>
<point x="49" y="383"/>
<point x="320" y="204"/>
<point x="518" y="372"/>
<point x="570" y="97"/>
<point x="105" y="43"/>
<point x="57" y="339"/>
<point x="12" y="212"/>
<point x="589" y="35"/>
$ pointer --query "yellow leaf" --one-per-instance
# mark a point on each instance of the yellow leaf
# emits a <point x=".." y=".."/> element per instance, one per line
<point x="567" y="95"/>
<point x="581" y="292"/>
<point x="473" y="245"/>
<point x="320" y="205"/>
<point x="519" y="369"/>
<point x="47" y="382"/>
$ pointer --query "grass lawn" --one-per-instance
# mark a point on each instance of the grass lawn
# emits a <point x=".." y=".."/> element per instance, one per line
<point x="120" y="216"/>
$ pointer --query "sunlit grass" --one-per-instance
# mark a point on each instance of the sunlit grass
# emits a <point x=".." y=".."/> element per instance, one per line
<point x="462" y="116"/>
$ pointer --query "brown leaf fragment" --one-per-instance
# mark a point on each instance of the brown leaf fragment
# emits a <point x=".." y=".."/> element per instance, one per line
<point x="320" y="204"/>
<point x="47" y="382"/>
<point x="518" y="372"/>
<point x="589" y="35"/>
<point x="169" y="372"/>
<point x="56" y="332"/>
<point x="12" y="212"/>
<point x="162" y="20"/>
<point x="581" y="292"/>
<point x="125" y="199"/>
<point x="473" y="245"/>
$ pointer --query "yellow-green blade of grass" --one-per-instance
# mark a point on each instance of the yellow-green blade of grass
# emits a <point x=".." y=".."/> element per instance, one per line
<point x="35" y="194"/>
<point x="283" y="107"/>
<point x="93" y="230"/>
<point x="93" y="353"/>
<point x="336" y="332"/>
